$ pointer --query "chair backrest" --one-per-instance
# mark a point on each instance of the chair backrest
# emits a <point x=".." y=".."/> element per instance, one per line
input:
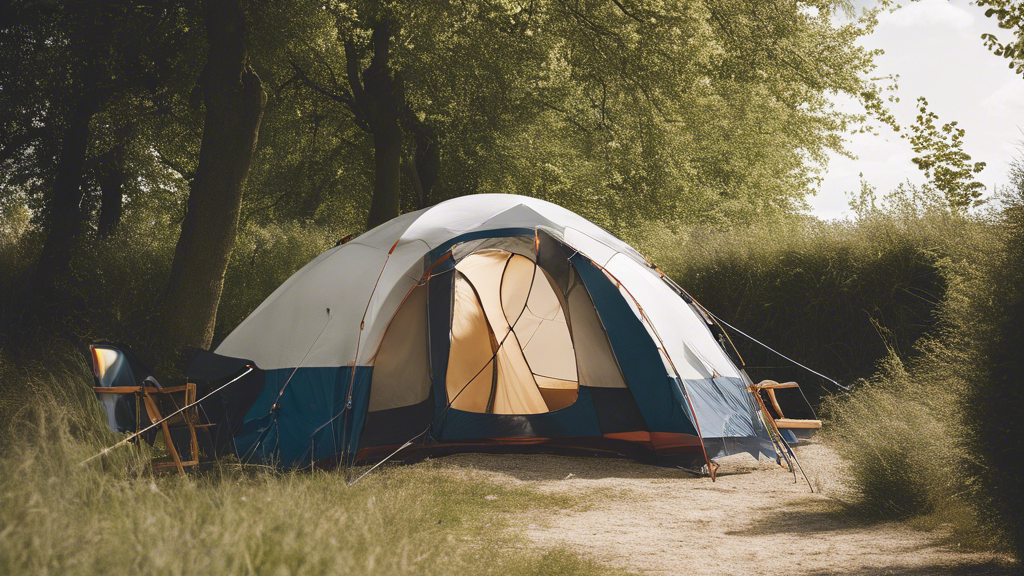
<point x="112" y="367"/>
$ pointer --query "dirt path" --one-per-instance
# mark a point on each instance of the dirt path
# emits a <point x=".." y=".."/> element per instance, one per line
<point x="753" y="520"/>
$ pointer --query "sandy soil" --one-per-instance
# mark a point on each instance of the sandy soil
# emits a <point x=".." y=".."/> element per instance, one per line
<point x="753" y="520"/>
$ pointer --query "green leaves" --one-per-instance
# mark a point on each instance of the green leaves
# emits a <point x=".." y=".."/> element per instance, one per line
<point x="623" y="110"/>
<point x="943" y="160"/>
<point x="1010" y="16"/>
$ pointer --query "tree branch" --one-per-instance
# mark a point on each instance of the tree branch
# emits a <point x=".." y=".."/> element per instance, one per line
<point x="342" y="97"/>
<point x="181" y="170"/>
<point x="627" y="12"/>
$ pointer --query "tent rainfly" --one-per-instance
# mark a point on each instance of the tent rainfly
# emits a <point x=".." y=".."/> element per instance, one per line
<point x="488" y="322"/>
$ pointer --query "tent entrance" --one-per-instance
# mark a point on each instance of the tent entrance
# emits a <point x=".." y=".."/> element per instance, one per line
<point x="511" y="350"/>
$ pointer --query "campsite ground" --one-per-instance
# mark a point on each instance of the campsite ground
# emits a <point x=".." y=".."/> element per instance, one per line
<point x="753" y="520"/>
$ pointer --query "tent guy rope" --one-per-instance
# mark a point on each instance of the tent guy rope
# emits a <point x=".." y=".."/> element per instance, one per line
<point x="164" y="419"/>
<point x="770" y="349"/>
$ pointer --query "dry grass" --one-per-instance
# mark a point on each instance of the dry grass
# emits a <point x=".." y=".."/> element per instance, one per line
<point x="115" y="516"/>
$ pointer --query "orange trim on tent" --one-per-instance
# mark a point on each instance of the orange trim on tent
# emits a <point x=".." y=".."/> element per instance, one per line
<point x="638" y="437"/>
<point x="674" y="440"/>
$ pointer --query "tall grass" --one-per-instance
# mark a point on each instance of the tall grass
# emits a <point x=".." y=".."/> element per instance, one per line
<point x="901" y="437"/>
<point x="114" y="516"/>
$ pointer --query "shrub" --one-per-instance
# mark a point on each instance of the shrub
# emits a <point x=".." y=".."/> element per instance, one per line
<point x="834" y="295"/>
<point x="942" y="436"/>
<point x="902" y="444"/>
<point x="986" y="328"/>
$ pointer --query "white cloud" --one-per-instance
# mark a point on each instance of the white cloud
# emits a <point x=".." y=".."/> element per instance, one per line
<point x="1008" y="99"/>
<point x="928" y="13"/>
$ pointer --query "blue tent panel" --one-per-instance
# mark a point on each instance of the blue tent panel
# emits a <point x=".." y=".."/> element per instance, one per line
<point x="309" y="423"/>
<point x="637" y="354"/>
<point x="579" y="419"/>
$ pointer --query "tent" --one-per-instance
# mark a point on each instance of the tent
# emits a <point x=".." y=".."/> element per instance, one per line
<point x="487" y="322"/>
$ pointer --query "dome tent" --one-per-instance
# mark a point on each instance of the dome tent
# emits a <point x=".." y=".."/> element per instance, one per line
<point x="484" y="322"/>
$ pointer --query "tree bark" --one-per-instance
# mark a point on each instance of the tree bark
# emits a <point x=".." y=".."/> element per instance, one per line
<point x="111" y="180"/>
<point x="387" y="160"/>
<point x="428" y="158"/>
<point x="384" y="102"/>
<point x="234" y="99"/>
<point x="64" y="213"/>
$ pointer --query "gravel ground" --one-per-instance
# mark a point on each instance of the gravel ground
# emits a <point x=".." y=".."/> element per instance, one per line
<point x="753" y="520"/>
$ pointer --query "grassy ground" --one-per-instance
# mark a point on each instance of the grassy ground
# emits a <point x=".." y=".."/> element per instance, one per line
<point x="412" y="520"/>
<point x="115" y="516"/>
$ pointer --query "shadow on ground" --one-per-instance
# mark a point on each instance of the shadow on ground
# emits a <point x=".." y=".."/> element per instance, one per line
<point x="989" y="568"/>
<point x="546" y="467"/>
<point x="810" y="517"/>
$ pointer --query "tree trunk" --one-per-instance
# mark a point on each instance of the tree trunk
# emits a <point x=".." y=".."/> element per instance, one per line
<point x="428" y="159"/>
<point x="111" y="181"/>
<point x="384" y="102"/>
<point x="234" y="99"/>
<point x="64" y="213"/>
<point x="387" y="159"/>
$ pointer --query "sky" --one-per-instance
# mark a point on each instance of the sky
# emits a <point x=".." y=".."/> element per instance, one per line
<point x="936" y="49"/>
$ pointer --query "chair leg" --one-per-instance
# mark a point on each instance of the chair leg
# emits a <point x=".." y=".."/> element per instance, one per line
<point x="170" y="448"/>
<point x="192" y="419"/>
<point x="154" y="416"/>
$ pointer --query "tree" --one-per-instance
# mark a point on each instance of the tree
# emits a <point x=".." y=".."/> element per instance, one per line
<point x="943" y="160"/>
<point x="234" y="101"/>
<point x="668" y="111"/>
<point x="1010" y="15"/>
<point x="65" y="65"/>
<point x="376" y="98"/>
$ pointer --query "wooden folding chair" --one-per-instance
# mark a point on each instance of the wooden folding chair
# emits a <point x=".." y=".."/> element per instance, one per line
<point x="160" y="402"/>
<point x="779" y="419"/>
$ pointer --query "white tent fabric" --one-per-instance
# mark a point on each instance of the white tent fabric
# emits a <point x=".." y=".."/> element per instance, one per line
<point x="336" y="309"/>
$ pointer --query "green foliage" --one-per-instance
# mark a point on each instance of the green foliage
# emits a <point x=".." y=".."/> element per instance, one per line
<point x="714" y="112"/>
<point x="943" y="160"/>
<point x="129" y="59"/>
<point x="116" y="283"/>
<point x="985" y="316"/>
<point x="941" y="435"/>
<point x="1010" y="15"/>
<point x="835" y="295"/>
<point x="902" y="442"/>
